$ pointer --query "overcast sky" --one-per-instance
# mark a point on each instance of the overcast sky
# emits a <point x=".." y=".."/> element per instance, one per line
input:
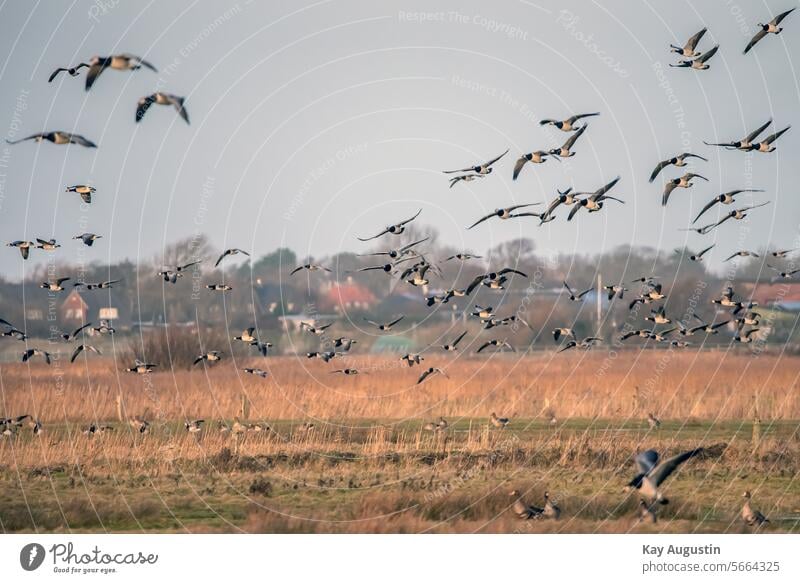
<point x="312" y="123"/>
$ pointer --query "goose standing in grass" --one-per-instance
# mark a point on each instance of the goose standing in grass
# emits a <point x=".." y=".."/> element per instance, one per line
<point x="210" y="356"/>
<point x="537" y="157"/>
<point x="256" y="372"/>
<point x="23" y="246"/>
<point x="141" y="367"/>
<point x="594" y="200"/>
<point x="83" y="348"/>
<point x="95" y="429"/>
<point x="745" y="144"/>
<point x="652" y="421"/>
<point x="453" y="346"/>
<point x="160" y="98"/>
<point x="47" y="244"/>
<point x="652" y="473"/>
<point x="523" y="510"/>
<point x="121" y="62"/>
<point x="551" y="509"/>
<point x="499" y="422"/>
<point x="88" y="238"/>
<point x="684" y="181"/>
<point x="751" y="516"/>
<point x="507" y="213"/>
<point x="700" y="63"/>
<point x="84" y="191"/>
<point x="568" y="125"/>
<point x="58" y="137"/>
<point x="436" y="426"/>
<point x="54" y="286"/>
<point x="484" y="168"/>
<point x="678" y="161"/>
<point x="346" y="371"/>
<point x="71" y="71"/>
<point x="430" y="372"/>
<point x="140" y="425"/>
<point x="396" y="229"/>
<point x="770" y="28"/>
<point x="688" y="50"/>
<point x="565" y="151"/>
<point x="195" y="426"/>
<point x="230" y="253"/>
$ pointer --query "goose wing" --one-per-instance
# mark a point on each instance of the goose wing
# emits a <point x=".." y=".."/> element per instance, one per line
<point x="665" y="468"/>
<point x="518" y="166"/>
<point x="94" y="72"/>
<point x="708" y="206"/>
<point x="143" y="105"/>
<point x="757" y="37"/>
<point x="752" y="135"/>
<point x="55" y="73"/>
<point x="574" y="137"/>
<point x="480" y="220"/>
<point x="707" y="55"/>
<point x="668" y="188"/>
<point x="493" y="160"/>
<point x="776" y="135"/>
<point x="661" y="165"/>
<point x="692" y="42"/>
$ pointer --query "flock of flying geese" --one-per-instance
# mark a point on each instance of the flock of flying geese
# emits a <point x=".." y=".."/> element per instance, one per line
<point x="410" y="264"/>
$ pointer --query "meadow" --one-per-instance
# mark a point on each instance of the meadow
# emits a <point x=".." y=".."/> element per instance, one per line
<point x="369" y="464"/>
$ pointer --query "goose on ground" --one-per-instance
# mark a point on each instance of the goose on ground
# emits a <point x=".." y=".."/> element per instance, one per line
<point x="688" y="50"/>
<point x="653" y="421"/>
<point x="494" y="276"/>
<point x="83" y="348"/>
<point x="195" y="426"/>
<point x="229" y="253"/>
<point x="573" y="295"/>
<point x="745" y="144"/>
<point x="88" y="238"/>
<point x="210" y="356"/>
<point x="346" y="371"/>
<point x="384" y="327"/>
<point x="23" y="246"/>
<point x="652" y="473"/>
<point x="84" y="191"/>
<point x="499" y="344"/>
<point x="396" y="229"/>
<point x="54" y="286"/>
<point x="507" y="213"/>
<point x="31" y="352"/>
<point x="551" y="509"/>
<point x="95" y="429"/>
<point x="140" y="425"/>
<point x="484" y="168"/>
<point x="698" y="257"/>
<point x="499" y="422"/>
<point x="523" y="510"/>
<point x="739" y="214"/>
<point x="71" y="71"/>
<point x="770" y="28"/>
<point x="256" y="372"/>
<point x="568" y="125"/>
<point x="47" y="244"/>
<point x="565" y="151"/>
<point x="436" y="426"/>
<point x="453" y="346"/>
<point x="559" y="333"/>
<point x="141" y="367"/>
<point x="679" y="161"/>
<point x="594" y="200"/>
<point x="537" y="157"/>
<point x="765" y="145"/>
<point x="411" y="359"/>
<point x="121" y="62"/>
<point x="684" y="181"/>
<point x="220" y="287"/>
<point x="429" y="372"/>
<point x="699" y="63"/>
<point x="465" y="178"/>
<point x="98" y="285"/>
<point x="751" y="516"/>
<point x="57" y="137"/>
<point x="160" y="98"/>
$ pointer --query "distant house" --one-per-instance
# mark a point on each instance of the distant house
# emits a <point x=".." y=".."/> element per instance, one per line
<point x="347" y="295"/>
<point x="92" y="306"/>
<point x="782" y="295"/>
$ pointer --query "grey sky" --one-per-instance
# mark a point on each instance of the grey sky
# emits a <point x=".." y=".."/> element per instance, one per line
<point x="313" y="123"/>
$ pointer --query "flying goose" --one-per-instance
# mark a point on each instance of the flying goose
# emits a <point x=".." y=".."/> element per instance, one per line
<point x="262" y="347"/>
<point x="537" y="157"/>
<point x="782" y="274"/>
<point x="256" y="372"/>
<point x="481" y="312"/>
<point x="210" y="356"/>
<point x="344" y="344"/>
<point x="586" y="343"/>
<point x="739" y="214"/>
<point x="699" y="63"/>
<point x="346" y="371"/>
<point x="492" y="277"/>
<point x="500" y="422"/>
<point x="558" y="333"/>
<point x="247" y="336"/>
<point x="385" y="327"/>
<point x="747" y="338"/>
<point x="121" y="62"/>
<point x="499" y="344"/>
<point x="567" y="198"/>
<point x="83" y="348"/>
<point x="47" y="244"/>
<point x="16" y="334"/>
<point x="743" y="253"/>
<point x="565" y="151"/>
<point x="324" y="356"/>
<point x="575" y="296"/>
<point x="684" y="181"/>
<point x="315" y="328"/>
<point x="412" y="359"/>
<point x="195" y="426"/>
<point x="98" y="285"/>
<point x="465" y="178"/>
<point x="31" y="352"/>
<point x="23" y="246"/>
<point x="220" y="287"/>
<point x="726" y="299"/>
<point x="160" y="98"/>
<point x="652" y="473"/>
<point x="615" y="290"/>
<point x="84" y="191"/>
<point x="88" y="238"/>
<point x="749" y="319"/>
<point x="395" y="253"/>
<point x="658" y="316"/>
<point x="140" y="367"/>
<point x="746" y="143"/>
<point x="765" y="145"/>
<point x="431" y="371"/>
<point x="640" y="333"/>
<point x="72" y="71"/>
<point x="395" y="229"/>
<point x="705" y="229"/>
<point x="57" y="137"/>
<point x="688" y="50"/>
<point x="523" y="510"/>
<point x="781" y="253"/>
<point x="54" y="286"/>
<point x="484" y="168"/>
<point x="464" y="257"/>
<point x="750" y="516"/>
<point x="453" y="346"/>
<point x="698" y="257"/>
<point x="770" y="27"/>
<point x="568" y="125"/>
<point x="104" y="328"/>
<point x="140" y="425"/>
<point x="507" y="213"/>
<point x="230" y="252"/>
<point x="594" y="201"/>
<point x="679" y="161"/>
<point x="724" y="198"/>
